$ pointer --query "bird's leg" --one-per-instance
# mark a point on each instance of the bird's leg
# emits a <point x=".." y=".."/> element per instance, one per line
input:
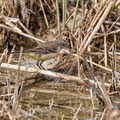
<point x="39" y="64"/>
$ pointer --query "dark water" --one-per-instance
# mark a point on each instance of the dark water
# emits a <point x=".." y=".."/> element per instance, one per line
<point x="57" y="102"/>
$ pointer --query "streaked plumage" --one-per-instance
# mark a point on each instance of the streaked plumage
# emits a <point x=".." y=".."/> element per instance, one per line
<point x="47" y="50"/>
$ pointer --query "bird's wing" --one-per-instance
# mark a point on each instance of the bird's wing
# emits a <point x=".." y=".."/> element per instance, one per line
<point x="49" y="47"/>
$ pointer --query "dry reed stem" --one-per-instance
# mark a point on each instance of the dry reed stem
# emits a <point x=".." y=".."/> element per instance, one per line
<point x="92" y="101"/>
<point x="98" y="14"/>
<point x="105" y="46"/>
<point x="103" y="114"/>
<point x="106" y="34"/>
<point x="90" y="57"/>
<point x="93" y="22"/>
<point x="100" y="22"/>
<point x="99" y="53"/>
<point x="78" y="59"/>
<point x="10" y="24"/>
<point x="7" y="77"/>
<point x="100" y="66"/>
<point x="69" y="18"/>
<point x="11" y="55"/>
<point x="75" y="115"/>
<point x="21" y="33"/>
<point x="104" y="94"/>
<point x="16" y="90"/>
<point x="49" y="73"/>
<point x="25" y="28"/>
<point x="110" y="22"/>
<point x="46" y="21"/>
<point x="49" y="6"/>
<point x="9" y="112"/>
<point x="113" y="25"/>
<point x="3" y="54"/>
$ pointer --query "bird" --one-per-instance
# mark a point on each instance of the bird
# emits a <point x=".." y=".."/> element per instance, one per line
<point x="46" y="51"/>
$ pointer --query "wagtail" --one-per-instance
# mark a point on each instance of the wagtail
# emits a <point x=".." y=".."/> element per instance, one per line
<point x="46" y="50"/>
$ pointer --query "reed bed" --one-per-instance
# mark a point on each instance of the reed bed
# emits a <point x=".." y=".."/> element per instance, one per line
<point x="82" y="81"/>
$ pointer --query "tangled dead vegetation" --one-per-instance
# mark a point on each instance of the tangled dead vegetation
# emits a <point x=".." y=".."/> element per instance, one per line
<point x="91" y="58"/>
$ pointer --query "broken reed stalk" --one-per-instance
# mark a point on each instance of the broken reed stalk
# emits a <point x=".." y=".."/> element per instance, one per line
<point x="16" y="20"/>
<point x="2" y="56"/>
<point x="21" y="33"/>
<point x="101" y="35"/>
<point x="25" y="28"/>
<point x="99" y="13"/>
<point x="48" y="6"/>
<point x="93" y="22"/>
<point x="101" y="88"/>
<point x="58" y="16"/>
<point x="50" y="73"/>
<point x="45" y="17"/>
<point x="104" y="94"/>
<point x="114" y="23"/>
<point x="11" y="55"/>
<point x="10" y="22"/>
<point x="100" y="22"/>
